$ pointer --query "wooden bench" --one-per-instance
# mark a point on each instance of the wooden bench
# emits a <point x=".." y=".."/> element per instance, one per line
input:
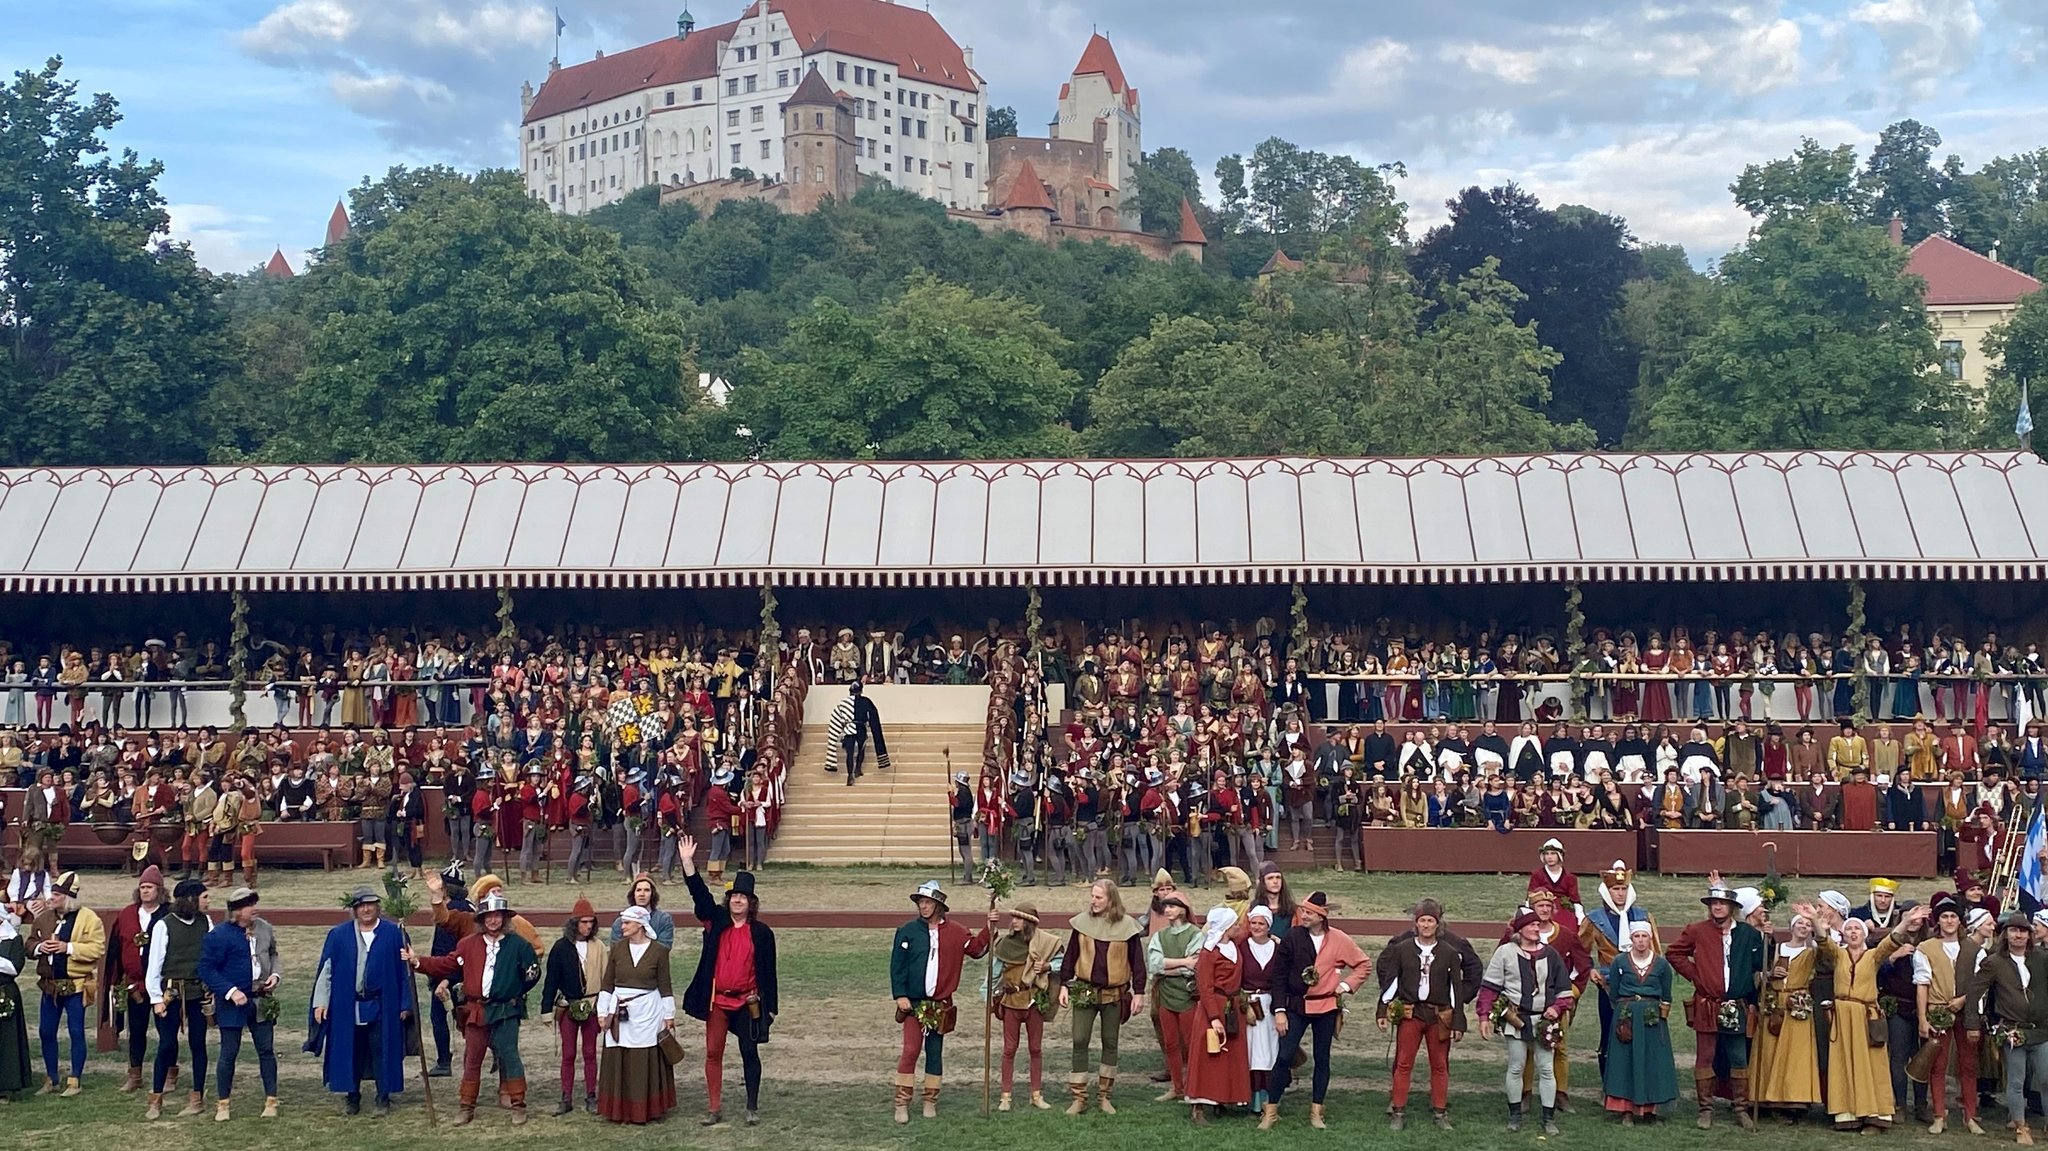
<point x="306" y="842"/>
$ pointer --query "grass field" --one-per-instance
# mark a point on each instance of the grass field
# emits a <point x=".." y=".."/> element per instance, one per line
<point x="830" y="1064"/>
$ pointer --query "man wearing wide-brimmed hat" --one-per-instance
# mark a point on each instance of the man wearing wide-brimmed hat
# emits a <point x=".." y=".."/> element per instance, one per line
<point x="362" y="996"/>
<point x="1024" y="997"/>
<point x="924" y="972"/>
<point x="1723" y="958"/>
<point x="498" y="967"/>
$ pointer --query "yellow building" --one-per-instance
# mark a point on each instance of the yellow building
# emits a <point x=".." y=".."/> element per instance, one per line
<point x="1968" y="295"/>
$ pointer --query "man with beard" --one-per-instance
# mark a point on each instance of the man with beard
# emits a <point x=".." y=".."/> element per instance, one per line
<point x="362" y="997"/>
<point x="127" y="1002"/>
<point x="498" y="967"/>
<point x="1723" y="959"/>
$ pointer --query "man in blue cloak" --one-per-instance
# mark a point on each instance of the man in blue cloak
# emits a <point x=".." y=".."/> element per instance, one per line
<point x="362" y="999"/>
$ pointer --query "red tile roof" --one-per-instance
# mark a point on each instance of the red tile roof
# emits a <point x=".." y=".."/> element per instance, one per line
<point x="1957" y="276"/>
<point x="666" y="61"/>
<point x="813" y="90"/>
<point x="899" y="34"/>
<point x="278" y="268"/>
<point x="1100" y="59"/>
<point x="337" y="225"/>
<point x="1190" y="228"/>
<point x="1027" y="191"/>
<point x="1279" y="261"/>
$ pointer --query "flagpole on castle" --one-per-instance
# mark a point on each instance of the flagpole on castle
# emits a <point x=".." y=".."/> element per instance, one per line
<point x="560" y="24"/>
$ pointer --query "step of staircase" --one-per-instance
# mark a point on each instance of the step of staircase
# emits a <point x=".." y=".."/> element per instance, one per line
<point x="899" y="816"/>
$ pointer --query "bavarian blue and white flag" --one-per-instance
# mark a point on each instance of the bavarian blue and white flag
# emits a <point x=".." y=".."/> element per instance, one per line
<point x="2030" y="857"/>
<point x="2024" y="425"/>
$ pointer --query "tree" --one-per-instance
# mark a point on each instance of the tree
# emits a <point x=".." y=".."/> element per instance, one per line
<point x="1002" y="122"/>
<point x="1819" y="341"/>
<point x="1479" y="383"/>
<point x="1164" y="178"/>
<point x="941" y="372"/>
<point x="1985" y="205"/>
<point x="1812" y="177"/>
<point x="1571" y="265"/>
<point x="2019" y="346"/>
<point x="476" y="325"/>
<point x="1245" y="386"/>
<point x="1900" y="179"/>
<point x="1662" y="315"/>
<point x="110" y="334"/>
<point x="1306" y="196"/>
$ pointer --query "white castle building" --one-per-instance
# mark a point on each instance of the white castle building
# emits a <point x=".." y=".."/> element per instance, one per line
<point x="707" y="101"/>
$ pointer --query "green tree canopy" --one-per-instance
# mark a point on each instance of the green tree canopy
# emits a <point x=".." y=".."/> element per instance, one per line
<point x="472" y="323"/>
<point x="1819" y="341"/>
<point x="1165" y="177"/>
<point x="1901" y="179"/>
<point x="1002" y="122"/>
<point x="110" y="334"/>
<point x="941" y="372"/>
<point x="1812" y="177"/>
<point x="2020" y="346"/>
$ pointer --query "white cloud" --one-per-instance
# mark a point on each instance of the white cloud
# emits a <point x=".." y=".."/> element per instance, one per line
<point x="1926" y="42"/>
<point x="226" y="240"/>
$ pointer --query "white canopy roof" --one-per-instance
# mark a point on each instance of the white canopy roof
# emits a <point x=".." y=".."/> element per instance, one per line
<point x="1803" y="515"/>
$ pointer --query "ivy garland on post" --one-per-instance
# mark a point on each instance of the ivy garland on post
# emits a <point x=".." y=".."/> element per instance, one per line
<point x="1575" y="650"/>
<point x="508" y="632"/>
<point x="238" y="659"/>
<point x="1298" y="636"/>
<point x="1855" y="642"/>
<point x="771" y="631"/>
<point x="1034" y="622"/>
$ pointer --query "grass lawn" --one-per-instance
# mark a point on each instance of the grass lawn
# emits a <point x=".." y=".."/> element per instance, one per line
<point x="828" y="1075"/>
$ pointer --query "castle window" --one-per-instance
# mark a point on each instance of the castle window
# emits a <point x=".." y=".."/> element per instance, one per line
<point x="817" y="173"/>
<point x="842" y="71"/>
<point x="819" y="117"/>
<point x="764" y="149"/>
<point x="732" y="87"/>
<point x="697" y="94"/>
<point x="920" y="129"/>
<point x="968" y="131"/>
<point x="924" y="167"/>
<point x="668" y="98"/>
<point x="970" y="111"/>
<point x="751" y="82"/>
<point x="735" y="155"/>
<point x="782" y="78"/>
<point x="970" y="171"/>
<point x="732" y="118"/>
<point x="755" y="115"/>
<point x="775" y="48"/>
<point x="871" y="149"/>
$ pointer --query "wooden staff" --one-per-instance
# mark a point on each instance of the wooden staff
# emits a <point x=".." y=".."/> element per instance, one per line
<point x="988" y="1013"/>
<point x="419" y="1005"/>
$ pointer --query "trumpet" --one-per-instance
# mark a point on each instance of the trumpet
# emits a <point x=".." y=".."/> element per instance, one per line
<point x="2005" y="868"/>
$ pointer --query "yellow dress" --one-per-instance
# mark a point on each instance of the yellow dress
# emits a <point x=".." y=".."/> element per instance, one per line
<point x="1786" y="1071"/>
<point x="1859" y="1075"/>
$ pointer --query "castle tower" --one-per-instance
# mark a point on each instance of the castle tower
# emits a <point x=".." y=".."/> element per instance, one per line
<point x="817" y="145"/>
<point x="1099" y="105"/>
<point x="1028" y="210"/>
<point x="1190" y="240"/>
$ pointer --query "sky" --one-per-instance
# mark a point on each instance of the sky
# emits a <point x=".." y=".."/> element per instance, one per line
<point x="264" y="112"/>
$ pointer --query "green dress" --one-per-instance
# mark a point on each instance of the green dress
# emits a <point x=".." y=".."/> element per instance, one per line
<point x="1640" y="1073"/>
<point x="14" y="1057"/>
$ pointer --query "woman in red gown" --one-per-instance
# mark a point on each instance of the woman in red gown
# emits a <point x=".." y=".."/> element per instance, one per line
<point x="1656" y="692"/>
<point x="1219" y="1061"/>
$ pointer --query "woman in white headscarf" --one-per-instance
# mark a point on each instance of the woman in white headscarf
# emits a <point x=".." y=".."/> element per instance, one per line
<point x="1258" y="961"/>
<point x="636" y="1008"/>
<point x="14" y="1056"/>
<point x="1219" y="1067"/>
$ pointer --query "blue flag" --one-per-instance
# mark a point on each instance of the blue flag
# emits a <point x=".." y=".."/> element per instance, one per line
<point x="2024" y="426"/>
<point x="2029" y="878"/>
<point x="559" y="22"/>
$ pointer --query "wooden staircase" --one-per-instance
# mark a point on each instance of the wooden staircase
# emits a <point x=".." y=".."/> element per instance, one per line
<point x="899" y="816"/>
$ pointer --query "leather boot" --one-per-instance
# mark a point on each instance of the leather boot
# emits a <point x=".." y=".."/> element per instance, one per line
<point x="1003" y="1102"/>
<point x="269" y="1107"/>
<point x="1514" y="1117"/>
<point x="49" y="1087"/>
<point x="1077" y="1086"/>
<point x="1397" y="1119"/>
<point x="364" y="862"/>
<point x="517" y="1089"/>
<point x="1038" y="1102"/>
<point x="1702" y="1089"/>
<point x="1105" y="1086"/>
<point x="1269" y="1115"/>
<point x="195" y="1102"/>
<point x="72" y="1088"/>
<point x="1198" y="1116"/>
<point x="1315" y="1117"/>
<point x="249" y="875"/>
<point x="1740" y="1082"/>
<point x="156" y="1106"/>
<point x="133" y="1083"/>
<point x="465" y="1112"/>
<point x="905" y="1087"/>
<point x="931" y="1096"/>
<point x="567" y="1105"/>
<point x="220" y="1111"/>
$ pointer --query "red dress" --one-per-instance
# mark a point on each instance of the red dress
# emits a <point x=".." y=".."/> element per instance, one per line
<point x="1656" y="692"/>
<point x="1226" y="1076"/>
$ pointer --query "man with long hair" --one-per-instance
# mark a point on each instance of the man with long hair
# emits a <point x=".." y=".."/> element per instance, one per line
<point x="1102" y="978"/>
<point x="575" y="973"/>
<point x="1423" y="992"/>
<point x="734" y="990"/>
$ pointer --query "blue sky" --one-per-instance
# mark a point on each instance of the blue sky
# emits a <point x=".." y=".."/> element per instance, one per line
<point x="265" y="111"/>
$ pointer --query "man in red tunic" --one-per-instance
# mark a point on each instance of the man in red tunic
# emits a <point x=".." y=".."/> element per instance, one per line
<point x="1550" y="874"/>
<point x="1856" y="807"/>
<point x="498" y="967"/>
<point x="126" y="1004"/>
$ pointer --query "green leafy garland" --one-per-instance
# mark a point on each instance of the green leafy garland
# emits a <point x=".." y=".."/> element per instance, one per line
<point x="1855" y="640"/>
<point x="771" y="631"/>
<point x="508" y="632"/>
<point x="1575" y="649"/>
<point x="238" y="659"/>
<point x="1299" y="634"/>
